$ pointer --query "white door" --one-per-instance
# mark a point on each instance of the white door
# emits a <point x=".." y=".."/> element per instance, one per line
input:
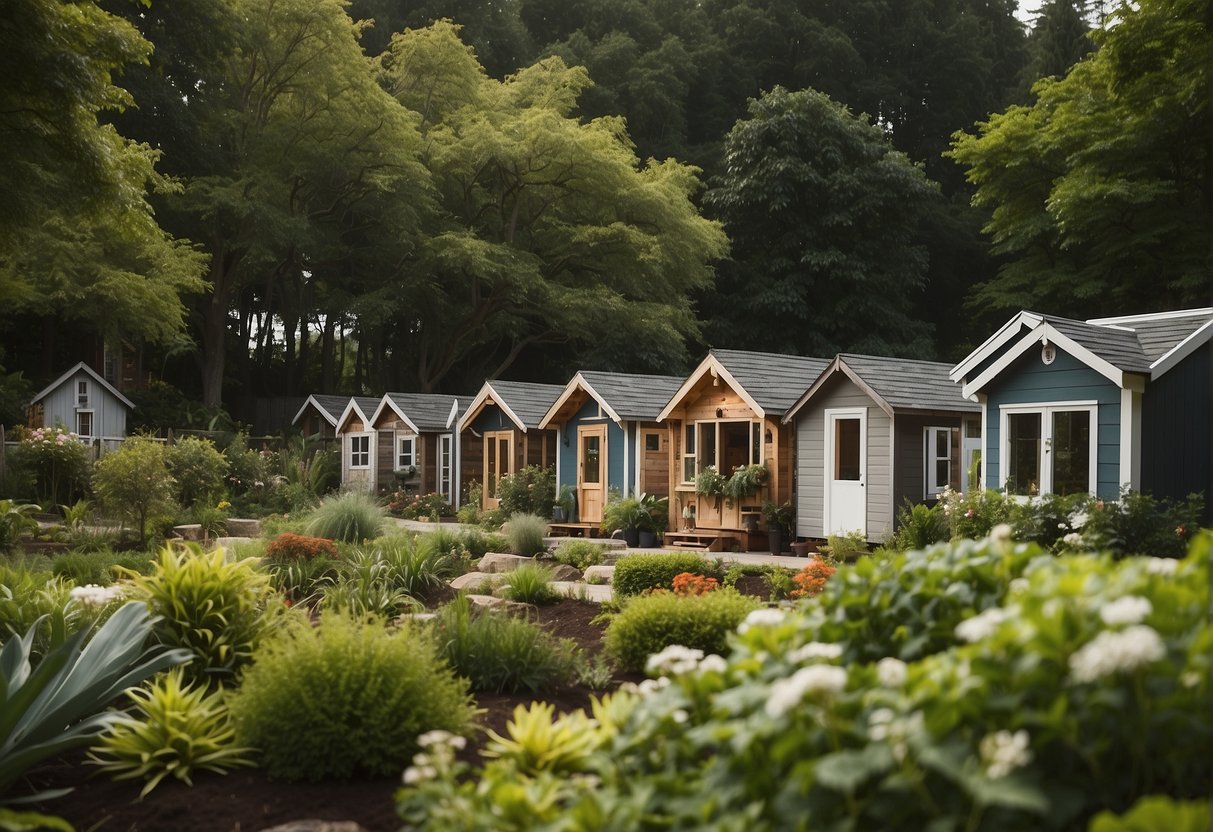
<point x="846" y="504"/>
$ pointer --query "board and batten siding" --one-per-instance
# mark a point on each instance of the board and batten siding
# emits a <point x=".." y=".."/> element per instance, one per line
<point x="1175" y="436"/>
<point x="109" y="414"/>
<point x="1030" y="381"/>
<point x="360" y="477"/>
<point x="811" y="462"/>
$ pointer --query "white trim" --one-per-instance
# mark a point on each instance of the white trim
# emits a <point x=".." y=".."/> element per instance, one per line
<point x="452" y="416"/>
<point x="838" y="365"/>
<point x="387" y="401"/>
<point x="638" y="451"/>
<point x="578" y="382"/>
<point x="92" y="423"/>
<point x="930" y="459"/>
<point x="627" y="481"/>
<point x="1045" y="332"/>
<point x="486" y="396"/>
<point x="1182" y="350"/>
<point x="1045" y="469"/>
<point x="832" y="413"/>
<point x="368" y="436"/>
<point x="96" y="377"/>
<point x="351" y="408"/>
<point x="983" y="400"/>
<point x="991" y="345"/>
<point x="1130" y="439"/>
<point x="711" y="364"/>
<point x="449" y="439"/>
<point x="324" y="413"/>
<point x="457" y="464"/>
<point x="411" y="438"/>
<point x="1153" y="316"/>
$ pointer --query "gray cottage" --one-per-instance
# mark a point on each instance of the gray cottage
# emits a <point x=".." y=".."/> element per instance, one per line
<point x="417" y="442"/>
<point x="1095" y="406"/>
<point x="319" y="414"/>
<point x="84" y="403"/>
<point x="873" y="433"/>
<point x="359" y="460"/>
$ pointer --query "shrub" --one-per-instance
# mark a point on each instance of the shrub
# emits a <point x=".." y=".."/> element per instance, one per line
<point x="416" y="563"/>
<point x="811" y="580"/>
<point x="15" y="519"/>
<point x="532" y="490"/>
<point x="134" y="482"/>
<point x="175" y="730"/>
<point x="499" y="653"/>
<point x="651" y="623"/>
<point x="364" y="588"/>
<point x="352" y="516"/>
<point x="845" y="547"/>
<point x="217" y="610"/>
<point x="530" y="584"/>
<point x="635" y="574"/>
<point x="919" y="525"/>
<point x="478" y="543"/>
<point x="579" y="553"/>
<point x="198" y="468"/>
<point x="526" y="533"/>
<point x="302" y="581"/>
<point x="625" y="513"/>
<point x="687" y="583"/>
<point x="54" y="463"/>
<point x="289" y="546"/>
<point x="419" y="506"/>
<point x="1156" y="812"/>
<point x="86" y="567"/>
<point x="345" y="698"/>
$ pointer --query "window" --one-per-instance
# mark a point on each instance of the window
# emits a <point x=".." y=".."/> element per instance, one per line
<point x="727" y="445"/>
<point x="688" y="455"/>
<point x="406" y="456"/>
<point x="444" y="464"/>
<point x="360" y="450"/>
<point x="81" y="394"/>
<point x="1049" y="449"/>
<point x="942" y="463"/>
<point x="652" y="442"/>
<point x="84" y="423"/>
<point x="847" y="463"/>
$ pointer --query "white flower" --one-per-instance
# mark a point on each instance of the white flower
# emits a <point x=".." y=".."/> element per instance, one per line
<point x="713" y="664"/>
<point x="1131" y="609"/>
<point x="891" y="672"/>
<point x="883" y="726"/>
<point x="1072" y="539"/>
<point x="1002" y="531"/>
<point x="1078" y="519"/>
<point x="1190" y="679"/>
<point x="418" y="774"/>
<point x="651" y="686"/>
<point x="674" y="659"/>
<point x="679" y="715"/>
<point x="1003" y="752"/>
<point x="765" y="617"/>
<point x="815" y="650"/>
<point x="1161" y="566"/>
<point x="1019" y="585"/>
<point x="1115" y="652"/>
<point x="787" y="693"/>
<point x="983" y="625"/>
<point x="92" y="595"/>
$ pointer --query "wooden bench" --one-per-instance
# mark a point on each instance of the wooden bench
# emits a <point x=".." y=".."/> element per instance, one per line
<point x="705" y="540"/>
<point x="573" y="529"/>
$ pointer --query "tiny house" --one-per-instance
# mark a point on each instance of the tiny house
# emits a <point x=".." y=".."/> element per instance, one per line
<point x="727" y="414"/>
<point x="359" y="459"/>
<point x="416" y="442"/>
<point x="85" y="404"/>
<point x="608" y="438"/>
<point x="499" y="434"/>
<point x="1095" y="406"/>
<point x="319" y="415"/>
<point x="874" y="433"/>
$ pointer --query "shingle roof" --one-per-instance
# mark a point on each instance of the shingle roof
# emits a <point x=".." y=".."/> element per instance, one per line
<point x="1119" y="347"/>
<point x="333" y="405"/>
<point x="1158" y="336"/>
<point x="429" y="411"/>
<point x="528" y="400"/>
<point x="774" y="381"/>
<point x="367" y="405"/>
<point x="633" y="396"/>
<point x="910" y="385"/>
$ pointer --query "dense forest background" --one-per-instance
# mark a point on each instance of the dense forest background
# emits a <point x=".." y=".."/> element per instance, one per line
<point x="279" y="197"/>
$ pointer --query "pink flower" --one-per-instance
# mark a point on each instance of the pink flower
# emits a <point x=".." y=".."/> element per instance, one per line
<point x="969" y="513"/>
<point x="1179" y="530"/>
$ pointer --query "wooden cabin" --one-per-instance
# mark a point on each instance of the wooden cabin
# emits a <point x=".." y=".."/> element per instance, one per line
<point x="84" y="403"/>
<point x="1095" y="406"/>
<point x="729" y="413"/>
<point x="499" y="433"/>
<point x="609" y="438"/>
<point x="319" y="415"/>
<point x="417" y="442"/>
<point x="359" y="458"/>
<point x="873" y="433"/>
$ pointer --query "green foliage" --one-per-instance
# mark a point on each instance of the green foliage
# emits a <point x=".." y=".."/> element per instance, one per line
<point x="345" y="698"/>
<point x="102" y="568"/>
<point x="364" y="588"/>
<point x="134" y="482"/>
<point x="477" y="543"/>
<point x="419" y="506"/>
<point x="635" y="574"/>
<point x="198" y="469"/>
<point x="176" y="729"/>
<point x="625" y="513"/>
<point x="15" y="519"/>
<point x="416" y="563"/>
<point x="289" y="546"/>
<point x="526" y="533"/>
<point x="782" y="515"/>
<point x="657" y="511"/>
<point x="62" y="703"/>
<point x="744" y="482"/>
<point x="160" y="407"/>
<point x="1156" y="813"/>
<point x="29" y="595"/>
<point x="530" y="583"/>
<point x="218" y="611"/>
<point x="499" y="653"/>
<point x="55" y="463"/>
<point x="531" y="490"/>
<point x="351" y="516"/>
<point x="844" y="547"/>
<point x="538" y="742"/>
<point x="14" y="821"/>
<point x="302" y="581"/>
<point x="919" y="525"/>
<point x="579" y="553"/>
<point x="710" y="482"/>
<point x="651" y="623"/>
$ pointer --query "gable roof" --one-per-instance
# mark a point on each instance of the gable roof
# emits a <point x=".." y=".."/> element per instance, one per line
<point x="768" y="382"/>
<point x="895" y="384"/>
<point x="329" y="407"/>
<point x="364" y="406"/>
<point x="523" y="402"/>
<point x="622" y="396"/>
<point x="424" y="411"/>
<point x="1142" y="345"/>
<point x="54" y="385"/>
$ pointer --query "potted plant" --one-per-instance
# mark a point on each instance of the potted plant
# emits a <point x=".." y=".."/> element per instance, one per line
<point x="688" y="516"/>
<point x="626" y="516"/>
<point x="779" y="523"/>
<point x="658" y="511"/>
<point x="562" y="509"/>
<point x="744" y="482"/>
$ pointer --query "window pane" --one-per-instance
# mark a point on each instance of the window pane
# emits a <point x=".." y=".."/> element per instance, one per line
<point x="690" y="443"/>
<point x="84" y="424"/>
<point x="1072" y="452"/>
<point x="688" y="468"/>
<point x="846" y="449"/>
<point x="1023" y="451"/>
<point x="755" y="442"/>
<point x="490" y="456"/>
<point x="734" y="450"/>
<point x="652" y="441"/>
<point x="941" y="444"/>
<point x="941" y="473"/>
<point x="591" y="461"/>
<point x="707" y="445"/>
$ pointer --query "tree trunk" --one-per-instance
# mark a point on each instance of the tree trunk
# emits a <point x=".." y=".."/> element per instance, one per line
<point x="327" y="347"/>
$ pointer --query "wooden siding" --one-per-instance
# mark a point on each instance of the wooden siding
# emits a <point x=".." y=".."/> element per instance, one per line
<point x="1029" y="381"/>
<point x="811" y="463"/>
<point x="1176" y="454"/>
<point x="655" y="465"/>
<point x="385" y="459"/>
<point x="427" y="463"/>
<point x="109" y="415"/>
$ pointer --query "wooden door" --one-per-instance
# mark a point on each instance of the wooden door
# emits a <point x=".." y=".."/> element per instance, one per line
<point x="498" y="463"/>
<point x="655" y="462"/>
<point x="591" y="472"/>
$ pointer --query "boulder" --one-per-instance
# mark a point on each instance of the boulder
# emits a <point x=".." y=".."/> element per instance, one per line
<point x="485" y="600"/>
<point x="497" y="562"/>
<point x="189" y="531"/>
<point x="472" y="580"/>
<point x="564" y="572"/>
<point x="240" y="527"/>
<point x="599" y="574"/>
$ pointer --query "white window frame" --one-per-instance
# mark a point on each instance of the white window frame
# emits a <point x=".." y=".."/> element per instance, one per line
<point x="932" y="488"/>
<point x="82" y="393"/>
<point x="401" y="441"/>
<point x="446" y="456"/>
<point x="355" y="453"/>
<point x="756" y="428"/>
<point x="1046" y="410"/>
<point x="92" y="423"/>
<point x="693" y="427"/>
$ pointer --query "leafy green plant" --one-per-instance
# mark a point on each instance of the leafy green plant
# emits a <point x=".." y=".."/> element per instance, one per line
<point x="302" y="581"/>
<point x="61" y="703"/>
<point x="625" y="513"/>
<point x="176" y="730"/>
<point x="779" y="514"/>
<point x="134" y="482"/>
<point x="531" y="490"/>
<point x="919" y="525"/>
<point x="28" y="595"/>
<point x="530" y="583"/>
<point x="579" y="553"/>
<point x="657" y="510"/>
<point x="198" y="469"/>
<point x="217" y="610"/>
<point x="538" y="741"/>
<point x="845" y="547"/>
<point x="635" y="574"/>
<point x="366" y="587"/>
<point x="499" y="653"/>
<point x="526" y="533"/>
<point x="1154" y="813"/>
<point x="416" y="563"/>
<point x="86" y="567"/>
<point x="744" y="482"/>
<point x="651" y="623"/>
<point x="345" y="698"/>
<point x="54" y="462"/>
<point x="14" y="519"/>
<point x="351" y="516"/>
<point x="710" y="482"/>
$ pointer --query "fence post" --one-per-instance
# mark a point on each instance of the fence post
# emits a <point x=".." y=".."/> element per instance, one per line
<point x="168" y="437"/>
<point x="3" y="458"/>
